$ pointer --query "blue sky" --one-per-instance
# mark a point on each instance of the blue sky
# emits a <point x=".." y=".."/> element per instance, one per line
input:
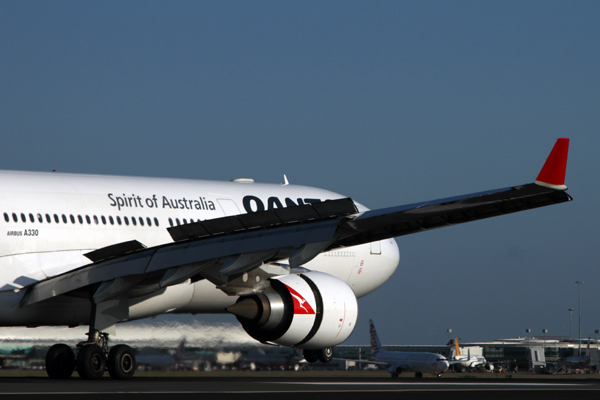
<point x="386" y="102"/>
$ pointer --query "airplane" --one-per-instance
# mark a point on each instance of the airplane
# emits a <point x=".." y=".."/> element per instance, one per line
<point x="461" y="362"/>
<point x="288" y="261"/>
<point x="163" y="361"/>
<point x="399" y="361"/>
<point x="579" y="362"/>
<point x="259" y="359"/>
<point x="179" y="358"/>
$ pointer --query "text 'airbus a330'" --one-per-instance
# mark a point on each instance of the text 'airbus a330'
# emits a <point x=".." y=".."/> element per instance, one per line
<point x="289" y="261"/>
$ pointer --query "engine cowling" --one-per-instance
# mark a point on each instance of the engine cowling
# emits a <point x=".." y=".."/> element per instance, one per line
<point x="312" y="310"/>
<point x="395" y="370"/>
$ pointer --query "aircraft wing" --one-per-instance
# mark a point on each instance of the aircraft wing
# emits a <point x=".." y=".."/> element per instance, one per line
<point x="225" y="247"/>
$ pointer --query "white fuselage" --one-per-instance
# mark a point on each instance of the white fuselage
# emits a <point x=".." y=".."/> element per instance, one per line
<point x="50" y="220"/>
<point x="470" y="361"/>
<point x="416" y="362"/>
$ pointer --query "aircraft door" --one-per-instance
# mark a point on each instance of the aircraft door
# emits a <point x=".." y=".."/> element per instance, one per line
<point x="229" y="207"/>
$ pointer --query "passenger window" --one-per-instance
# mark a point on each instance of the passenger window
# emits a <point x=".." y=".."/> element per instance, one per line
<point x="133" y="220"/>
<point x="185" y="221"/>
<point x="31" y="217"/>
<point x="87" y="219"/>
<point x="23" y="217"/>
<point x="155" y="221"/>
<point x="48" y="219"/>
<point x="103" y="220"/>
<point x="111" y="220"/>
<point x="141" y="221"/>
<point x="148" y="221"/>
<point x="118" y="220"/>
<point x="6" y="218"/>
<point x="177" y="220"/>
<point x="56" y="219"/>
<point x="64" y="218"/>
<point x="170" y="222"/>
<point x="40" y="218"/>
<point x="126" y="221"/>
<point x="72" y="219"/>
<point x="15" y="218"/>
<point x="96" y="220"/>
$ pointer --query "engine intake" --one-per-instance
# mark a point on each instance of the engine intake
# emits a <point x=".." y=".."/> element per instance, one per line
<point x="313" y="310"/>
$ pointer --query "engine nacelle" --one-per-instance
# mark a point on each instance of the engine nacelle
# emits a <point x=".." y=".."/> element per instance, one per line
<point x="395" y="370"/>
<point x="313" y="310"/>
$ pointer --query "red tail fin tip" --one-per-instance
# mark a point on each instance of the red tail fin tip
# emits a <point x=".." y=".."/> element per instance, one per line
<point x="553" y="172"/>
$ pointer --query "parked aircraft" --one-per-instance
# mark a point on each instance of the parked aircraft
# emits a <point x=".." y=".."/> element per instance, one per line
<point x="289" y="261"/>
<point x="398" y="361"/>
<point x="179" y="358"/>
<point x="579" y="363"/>
<point x="259" y="359"/>
<point x="469" y="362"/>
<point x="163" y="361"/>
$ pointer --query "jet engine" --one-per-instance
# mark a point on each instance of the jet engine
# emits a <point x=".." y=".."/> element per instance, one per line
<point x="395" y="370"/>
<point x="313" y="310"/>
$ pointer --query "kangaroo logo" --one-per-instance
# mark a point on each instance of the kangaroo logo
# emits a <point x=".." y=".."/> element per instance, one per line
<point x="301" y="305"/>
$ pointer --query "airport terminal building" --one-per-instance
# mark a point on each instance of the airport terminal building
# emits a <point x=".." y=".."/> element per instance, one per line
<point x="528" y="354"/>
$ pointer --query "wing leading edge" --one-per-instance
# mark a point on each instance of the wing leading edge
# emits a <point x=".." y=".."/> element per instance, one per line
<point x="219" y="248"/>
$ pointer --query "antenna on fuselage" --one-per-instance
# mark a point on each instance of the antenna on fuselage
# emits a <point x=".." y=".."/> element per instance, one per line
<point x="285" y="181"/>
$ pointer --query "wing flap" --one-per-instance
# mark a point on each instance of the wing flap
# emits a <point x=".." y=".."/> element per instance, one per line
<point x="248" y="250"/>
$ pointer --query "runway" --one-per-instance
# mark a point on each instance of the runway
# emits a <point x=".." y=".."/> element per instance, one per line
<point x="276" y="387"/>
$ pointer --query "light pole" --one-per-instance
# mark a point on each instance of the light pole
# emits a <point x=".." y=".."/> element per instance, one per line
<point x="571" y="324"/>
<point x="449" y="332"/>
<point x="579" y="295"/>
<point x="545" y="331"/>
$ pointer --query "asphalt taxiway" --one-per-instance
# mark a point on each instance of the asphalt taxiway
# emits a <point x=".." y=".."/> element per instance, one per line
<point x="274" y="387"/>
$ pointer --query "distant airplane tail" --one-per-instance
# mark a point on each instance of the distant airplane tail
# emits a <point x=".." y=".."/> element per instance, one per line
<point x="587" y="351"/>
<point x="454" y="343"/>
<point x="375" y="343"/>
<point x="179" y="351"/>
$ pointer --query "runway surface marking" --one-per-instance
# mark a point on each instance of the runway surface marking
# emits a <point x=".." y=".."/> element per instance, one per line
<point x="431" y="383"/>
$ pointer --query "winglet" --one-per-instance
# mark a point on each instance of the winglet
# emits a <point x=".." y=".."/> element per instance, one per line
<point x="553" y="172"/>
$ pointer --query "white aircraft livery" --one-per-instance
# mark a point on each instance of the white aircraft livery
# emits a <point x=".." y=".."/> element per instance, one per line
<point x="461" y="362"/>
<point x="288" y="261"/>
<point x="401" y="361"/>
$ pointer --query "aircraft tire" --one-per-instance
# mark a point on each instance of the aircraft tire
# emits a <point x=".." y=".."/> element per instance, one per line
<point x="418" y="374"/>
<point x="60" y="361"/>
<point x="91" y="362"/>
<point x="121" y="362"/>
<point x="325" y="355"/>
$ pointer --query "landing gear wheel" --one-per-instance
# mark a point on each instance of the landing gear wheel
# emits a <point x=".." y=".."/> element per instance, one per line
<point x="310" y="356"/>
<point x="325" y="355"/>
<point x="91" y="362"/>
<point x="121" y="362"/>
<point x="418" y="374"/>
<point x="60" y="362"/>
